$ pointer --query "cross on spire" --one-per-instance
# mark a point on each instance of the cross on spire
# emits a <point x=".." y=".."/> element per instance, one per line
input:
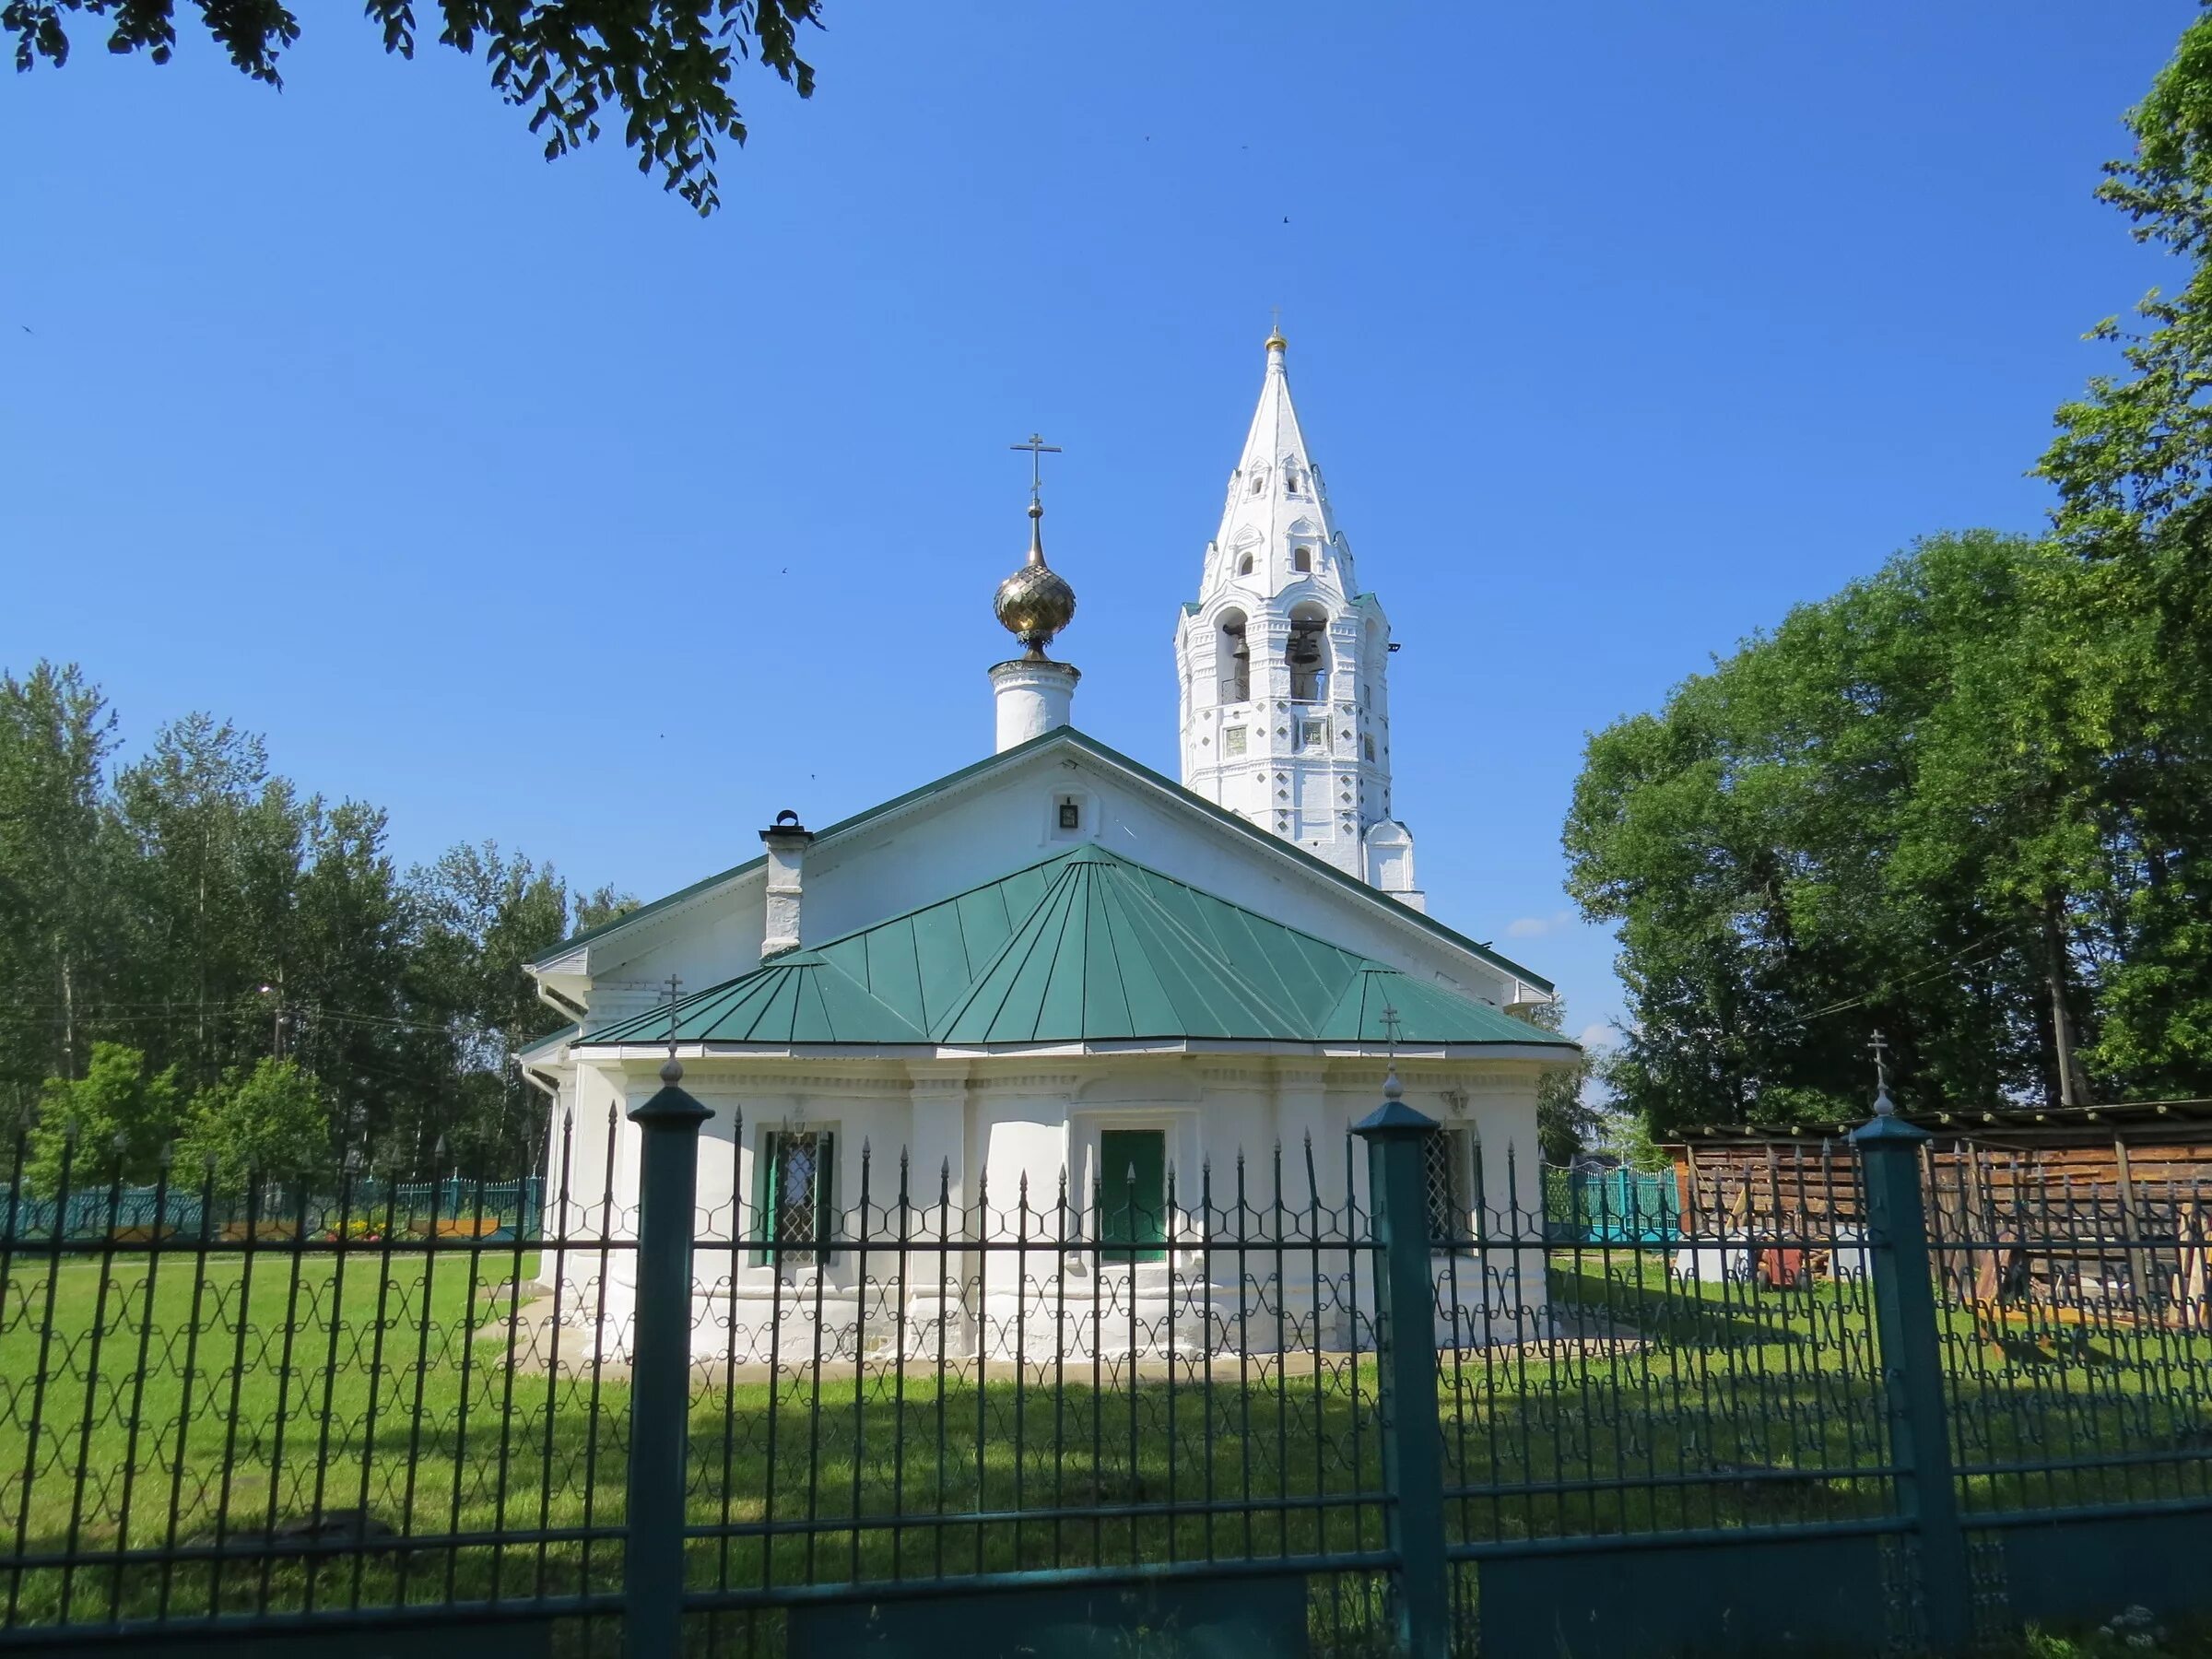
<point x="1039" y="448"/>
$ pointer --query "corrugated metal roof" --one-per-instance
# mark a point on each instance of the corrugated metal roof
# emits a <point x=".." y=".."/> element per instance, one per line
<point x="1085" y="946"/>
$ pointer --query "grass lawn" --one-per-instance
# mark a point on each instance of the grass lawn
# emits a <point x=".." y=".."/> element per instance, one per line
<point x="212" y="1403"/>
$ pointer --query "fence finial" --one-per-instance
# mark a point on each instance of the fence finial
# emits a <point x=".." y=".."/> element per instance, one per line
<point x="1883" y="1105"/>
<point x="1392" y="1089"/>
<point x="671" y="1069"/>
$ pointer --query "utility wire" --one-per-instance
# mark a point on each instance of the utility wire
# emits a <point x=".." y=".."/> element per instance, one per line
<point x="1987" y="947"/>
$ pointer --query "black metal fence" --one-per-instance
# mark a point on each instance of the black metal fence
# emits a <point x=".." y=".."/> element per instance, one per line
<point x="1296" y="1402"/>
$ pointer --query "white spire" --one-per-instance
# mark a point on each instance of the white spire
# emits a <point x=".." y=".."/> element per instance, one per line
<point x="1276" y="507"/>
<point x="1283" y="662"/>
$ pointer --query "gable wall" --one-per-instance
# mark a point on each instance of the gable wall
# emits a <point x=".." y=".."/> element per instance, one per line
<point x="977" y="833"/>
<point x="975" y="836"/>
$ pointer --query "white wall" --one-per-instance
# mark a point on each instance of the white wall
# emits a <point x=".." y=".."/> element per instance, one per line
<point x="1023" y="1121"/>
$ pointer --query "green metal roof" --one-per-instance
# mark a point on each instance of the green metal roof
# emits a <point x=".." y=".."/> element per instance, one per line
<point x="1073" y="738"/>
<point x="1085" y="946"/>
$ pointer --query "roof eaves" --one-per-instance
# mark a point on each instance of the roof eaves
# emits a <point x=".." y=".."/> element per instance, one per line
<point x="708" y="1048"/>
<point x="551" y="1041"/>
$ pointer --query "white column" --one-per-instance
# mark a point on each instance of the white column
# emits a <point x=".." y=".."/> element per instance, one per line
<point x="1033" y="695"/>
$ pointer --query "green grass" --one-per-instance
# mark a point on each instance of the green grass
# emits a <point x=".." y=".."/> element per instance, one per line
<point x="2153" y="1638"/>
<point x="267" y="1389"/>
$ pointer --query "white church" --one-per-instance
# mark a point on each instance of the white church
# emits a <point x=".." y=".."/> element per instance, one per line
<point x="1054" y="965"/>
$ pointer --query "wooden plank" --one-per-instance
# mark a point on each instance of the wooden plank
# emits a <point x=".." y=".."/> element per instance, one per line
<point x="2139" y="1260"/>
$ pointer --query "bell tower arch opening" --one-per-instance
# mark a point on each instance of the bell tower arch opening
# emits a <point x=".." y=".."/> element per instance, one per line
<point x="1306" y="653"/>
<point x="1232" y="657"/>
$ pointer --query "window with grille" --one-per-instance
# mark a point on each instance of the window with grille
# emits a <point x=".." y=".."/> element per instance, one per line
<point x="1445" y="1166"/>
<point x="792" y="1177"/>
<point x="1232" y="741"/>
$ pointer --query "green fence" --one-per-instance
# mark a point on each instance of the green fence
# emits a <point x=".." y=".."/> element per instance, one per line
<point x="186" y="1211"/>
<point x="1610" y="1206"/>
<point x="1284" y="1405"/>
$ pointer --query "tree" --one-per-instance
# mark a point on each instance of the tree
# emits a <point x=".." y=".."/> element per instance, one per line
<point x="346" y="970"/>
<point x="2132" y="462"/>
<point x="481" y="914"/>
<point x="1901" y="810"/>
<point x="666" y="65"/>
<point x="195" y="908"/>
<point x="59" y="931"/>
<point x="112" y="1123"/>
<point x="602" y="905"/>
<point x="221" y="853"/>
<point x="1565" y="1122"/>
<point x="262" y="1121"/>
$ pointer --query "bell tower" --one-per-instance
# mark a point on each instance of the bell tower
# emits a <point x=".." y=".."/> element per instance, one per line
<point x="1284" y="663"/>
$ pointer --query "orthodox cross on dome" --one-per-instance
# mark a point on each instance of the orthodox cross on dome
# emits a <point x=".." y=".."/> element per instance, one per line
<point x="1275" y="327"/>
<point x="1039" y="448"/>
<point x="1881" y="1046"/>
<point x="1035" y="602"/>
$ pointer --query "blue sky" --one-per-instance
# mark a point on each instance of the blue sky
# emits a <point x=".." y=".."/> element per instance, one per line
<point x="517" y="499"/>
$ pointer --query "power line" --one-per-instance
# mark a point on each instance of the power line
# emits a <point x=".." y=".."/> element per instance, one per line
<point x="1987" y="947"/>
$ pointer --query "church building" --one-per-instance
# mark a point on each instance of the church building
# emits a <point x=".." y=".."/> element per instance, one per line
<point x="1059" y="965"/>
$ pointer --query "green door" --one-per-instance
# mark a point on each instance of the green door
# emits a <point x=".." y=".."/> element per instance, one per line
<point x="1133" y="1193"/>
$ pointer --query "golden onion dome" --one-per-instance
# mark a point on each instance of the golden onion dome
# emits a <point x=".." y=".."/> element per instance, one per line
<point x="1035" y="602"/>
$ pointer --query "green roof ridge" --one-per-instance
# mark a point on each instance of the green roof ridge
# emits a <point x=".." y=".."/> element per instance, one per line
<point x="1100" y="952"/>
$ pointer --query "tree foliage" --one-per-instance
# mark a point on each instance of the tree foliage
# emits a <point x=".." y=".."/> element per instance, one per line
<point x="113" y="1123"/>
<point x="262" y="1120"/>
<point x="1967" y="801"/>
<point x="1566" y="1122"/>
<point x="1923" y="807"/>
<point x="191" y="905"/>
<point x="2132" y="462"/>
<point x="664" y="66"/>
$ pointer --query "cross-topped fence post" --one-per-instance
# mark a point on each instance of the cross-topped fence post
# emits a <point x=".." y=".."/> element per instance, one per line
<point x="660" y="1389"/>
<point x="1906" y="1322"/>
<point x="1413" y="1436"/>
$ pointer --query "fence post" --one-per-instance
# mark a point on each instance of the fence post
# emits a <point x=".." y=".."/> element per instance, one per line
<point x="660" y="1370"/>
<point x="1413" y="1435"/>
<point x="1911" y="1349"/>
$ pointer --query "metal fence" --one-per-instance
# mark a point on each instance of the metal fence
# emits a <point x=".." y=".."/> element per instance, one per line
<point x="1287" y="1411"/>
<point x="189" y="1209"/>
